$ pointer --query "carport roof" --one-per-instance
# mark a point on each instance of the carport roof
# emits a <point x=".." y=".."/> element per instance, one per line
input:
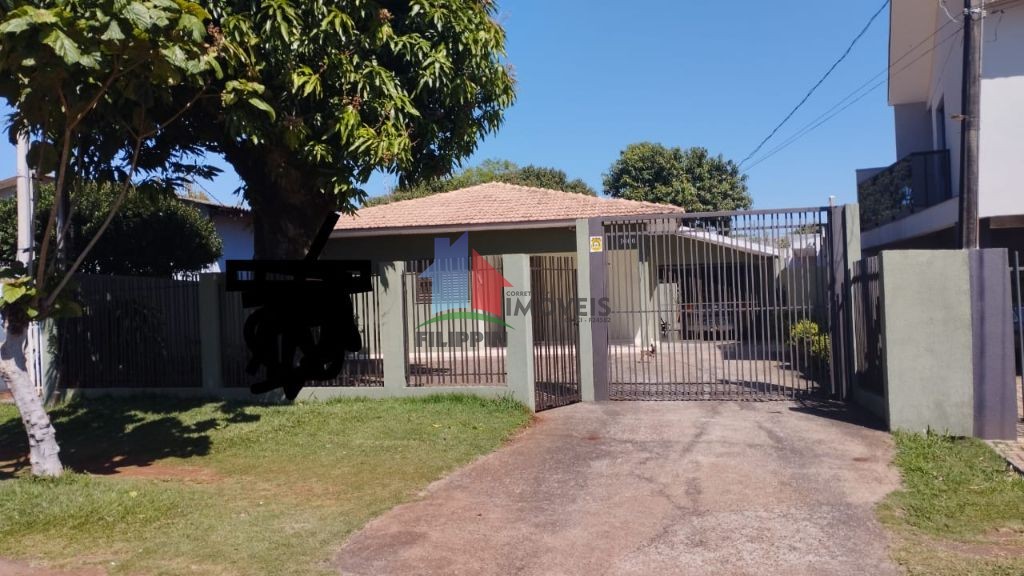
<point x="489" y="206"/>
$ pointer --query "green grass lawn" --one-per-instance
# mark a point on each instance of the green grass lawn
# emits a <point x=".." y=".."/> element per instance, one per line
<point x="960" y="512"/>
<point x="191" y="487"/>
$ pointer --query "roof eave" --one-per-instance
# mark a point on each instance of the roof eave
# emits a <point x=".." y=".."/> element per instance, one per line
<point x="448" y="229"/>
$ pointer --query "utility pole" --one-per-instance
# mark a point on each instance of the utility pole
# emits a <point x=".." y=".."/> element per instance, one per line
<point x="26" y="209"/>
<point x="974" y="14"/>
<point x="25" y="203"/>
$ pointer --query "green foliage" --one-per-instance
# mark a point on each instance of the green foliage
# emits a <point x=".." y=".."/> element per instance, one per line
<point x="229" y="471"/>
<point x="807" y="335"/>
<point x="153" y="234"/>
<point x="357" y="86"/>
<point x="490" y="171"/>
<point x="99" y="86"/>
<point x="690" y="178"/>
<point x="886" y="196"/>
<point x="19" y="293"/>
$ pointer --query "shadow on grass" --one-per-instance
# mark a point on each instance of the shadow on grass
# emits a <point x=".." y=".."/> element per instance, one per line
<point x="102" y="436"/>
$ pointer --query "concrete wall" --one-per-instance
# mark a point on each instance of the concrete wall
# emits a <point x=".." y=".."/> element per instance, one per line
<point x="913" y="128"/>
<point x="947" y="341"/>
<point x="927" y="338"/>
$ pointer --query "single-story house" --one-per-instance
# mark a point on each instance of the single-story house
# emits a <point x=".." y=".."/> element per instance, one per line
<point x="658" y="269"/>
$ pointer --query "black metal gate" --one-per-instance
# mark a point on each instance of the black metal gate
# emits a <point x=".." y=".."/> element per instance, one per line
<point x="556" y="331"/>
<point x="728" y="305"/>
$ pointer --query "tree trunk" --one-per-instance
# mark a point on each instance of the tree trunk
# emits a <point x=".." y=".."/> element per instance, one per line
<point x="44" y="453"/>
<point x="287" y="206"/>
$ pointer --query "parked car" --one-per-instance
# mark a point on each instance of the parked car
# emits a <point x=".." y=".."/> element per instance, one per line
<point x="719" y="320"/>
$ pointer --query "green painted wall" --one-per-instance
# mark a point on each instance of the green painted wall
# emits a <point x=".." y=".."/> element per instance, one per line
<point x="927" y="335"/>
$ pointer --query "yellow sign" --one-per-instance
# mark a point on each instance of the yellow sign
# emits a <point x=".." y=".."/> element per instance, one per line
<point x="596" y="244"/>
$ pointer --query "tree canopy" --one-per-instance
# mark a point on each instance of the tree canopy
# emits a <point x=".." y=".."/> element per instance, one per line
<point x="100" y="88"/>
<point x="355" y="87"/>
<point x="491" y="171"/>
<point x="690" y="178"/>
<point x="151" y="235"/>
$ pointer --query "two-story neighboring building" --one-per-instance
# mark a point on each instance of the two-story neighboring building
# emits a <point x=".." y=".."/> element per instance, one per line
<point x="914" y="203"/>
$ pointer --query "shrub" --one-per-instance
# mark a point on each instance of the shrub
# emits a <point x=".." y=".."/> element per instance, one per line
<point x="808" y="335"/>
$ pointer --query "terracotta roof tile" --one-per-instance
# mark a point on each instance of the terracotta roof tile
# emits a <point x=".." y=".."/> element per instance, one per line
<point x="494" y="203"/>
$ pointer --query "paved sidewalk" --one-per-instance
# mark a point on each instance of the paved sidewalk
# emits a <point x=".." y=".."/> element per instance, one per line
<point x="648" y="489"/>
<point x="1012" y="451"/>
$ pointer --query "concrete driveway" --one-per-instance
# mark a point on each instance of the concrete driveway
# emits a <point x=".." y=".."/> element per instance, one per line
<point x="647" y="489"/>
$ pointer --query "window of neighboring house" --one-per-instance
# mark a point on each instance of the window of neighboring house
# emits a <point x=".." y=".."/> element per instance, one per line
<point x="940" y="125"/>
<point x="424" y="290"/>
<point x="423" y="287"/>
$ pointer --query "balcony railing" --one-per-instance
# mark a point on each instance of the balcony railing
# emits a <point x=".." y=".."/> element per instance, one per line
<point x="916" y="182"/>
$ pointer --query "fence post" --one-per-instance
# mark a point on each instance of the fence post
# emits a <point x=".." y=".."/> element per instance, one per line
<point x="844" y="222"/>
<point x="852" y="254"/>
<point x="519" y="361"/>
<point x="393" y="339"/>
<point x="210" y="348"/>
<point x="593" y="345"/>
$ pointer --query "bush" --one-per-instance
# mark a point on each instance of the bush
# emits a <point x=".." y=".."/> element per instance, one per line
<point x="808" y="335"/>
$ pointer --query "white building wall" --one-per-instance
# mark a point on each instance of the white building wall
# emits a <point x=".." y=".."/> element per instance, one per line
<point x="913" y="129"/>
<point x="236" y="234"/>
<point x="945" y="92"/>
<point x="1001" y="146"/>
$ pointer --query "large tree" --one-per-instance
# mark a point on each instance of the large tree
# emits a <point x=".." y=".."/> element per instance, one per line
<point x="100" y="87"/>
<point x="356" y="86"/>
<point x="691" y="178"/>
<point x="490" y="171"/>
<point x="153" y="234"/>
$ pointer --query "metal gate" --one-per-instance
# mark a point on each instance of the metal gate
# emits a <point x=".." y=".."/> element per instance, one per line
<point x="727" y="305"/>
<point x="556" y="331"/>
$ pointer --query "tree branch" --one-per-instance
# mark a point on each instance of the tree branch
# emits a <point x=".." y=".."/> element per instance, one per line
<point x="116" y="206"/>
<point x="52" y="219"/>
<point x="103" y="227"/>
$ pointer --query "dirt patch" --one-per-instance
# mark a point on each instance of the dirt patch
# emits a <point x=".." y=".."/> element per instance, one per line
<point x="12" y="466"/>
<point x="159" y="471"/>
<point x="11" y="568"/>
<point x="989" y="550"/>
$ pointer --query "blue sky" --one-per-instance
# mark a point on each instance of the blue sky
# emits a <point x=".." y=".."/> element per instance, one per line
<point x="594" y="76"/>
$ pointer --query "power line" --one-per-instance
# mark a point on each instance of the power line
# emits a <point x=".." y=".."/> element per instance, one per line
<point x="825" y="117"/>
<point x="839" y="107"/>
<point x="818" y="84"/>
<point x="828" y="114"/>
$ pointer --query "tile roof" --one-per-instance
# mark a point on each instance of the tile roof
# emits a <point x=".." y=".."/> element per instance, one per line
<point x="493" y="203"/>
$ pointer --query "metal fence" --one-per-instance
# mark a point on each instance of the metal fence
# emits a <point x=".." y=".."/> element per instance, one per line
<point x="451" y="350"/>
<point x="364" y="368"/>
<point x="1016" y="285"/>
<point x="556" y="331"/>
<point x="916" y="182"/>
<point x="134" y="333"/>
<point x="730" y="305"/>
<point x="868" y="355"/>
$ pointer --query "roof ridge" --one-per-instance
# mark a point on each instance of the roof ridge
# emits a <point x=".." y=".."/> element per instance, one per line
<point x="495" y="203"/>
